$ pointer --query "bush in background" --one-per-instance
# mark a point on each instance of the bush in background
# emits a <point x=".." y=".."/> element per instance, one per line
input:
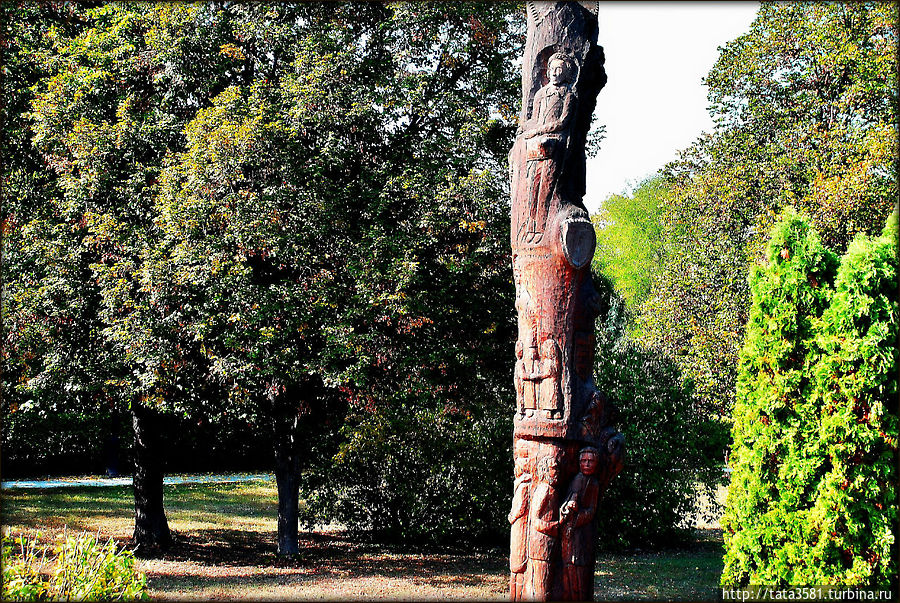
<point x="36" y="443"/>
<point x="671" y="447"/>
<point x="439" y="475"/>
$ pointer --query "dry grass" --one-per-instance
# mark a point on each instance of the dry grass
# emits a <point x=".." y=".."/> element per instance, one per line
<point x="225" y="549"/>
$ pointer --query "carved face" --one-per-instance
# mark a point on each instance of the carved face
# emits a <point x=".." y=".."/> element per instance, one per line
<point x="553" y="472"/>
<point x="588" y="462"/>
<point x="548" y="470"/>
<point x="559" y="72"/>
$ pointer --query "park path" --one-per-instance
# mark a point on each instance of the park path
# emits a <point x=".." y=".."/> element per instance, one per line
<point x="70" y="482"/>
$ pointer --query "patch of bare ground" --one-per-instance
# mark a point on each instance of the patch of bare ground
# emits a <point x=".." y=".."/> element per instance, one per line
<point x="223" y="564"/>
<point x="229" y="564"/>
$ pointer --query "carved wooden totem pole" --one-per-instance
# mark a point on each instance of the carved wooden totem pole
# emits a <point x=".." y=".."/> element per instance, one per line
<point x="566" y="450"/>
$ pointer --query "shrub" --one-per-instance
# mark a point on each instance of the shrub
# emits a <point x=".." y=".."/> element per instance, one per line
<point x="81" y="568"/>
<point x="774" y="452"/>
<point x="22" y="577"/>
<point x="670" y="446"/>
<point x="440" y="476"/>
<point x="37" y="441"/>
<point x="812" y="499"/>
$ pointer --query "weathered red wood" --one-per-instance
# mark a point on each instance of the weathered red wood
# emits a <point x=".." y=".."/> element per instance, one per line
<point x="566" y="450"/>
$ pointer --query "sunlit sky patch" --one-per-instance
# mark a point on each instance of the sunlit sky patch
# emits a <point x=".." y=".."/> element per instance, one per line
<point x="654" y="104"/>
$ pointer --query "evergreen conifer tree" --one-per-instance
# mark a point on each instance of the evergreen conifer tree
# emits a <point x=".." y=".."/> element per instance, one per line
<point x="774" y="454"/>
<point x="854" y="518"/>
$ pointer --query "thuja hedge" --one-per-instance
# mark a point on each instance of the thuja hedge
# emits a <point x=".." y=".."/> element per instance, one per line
<point x="813" y="495"/>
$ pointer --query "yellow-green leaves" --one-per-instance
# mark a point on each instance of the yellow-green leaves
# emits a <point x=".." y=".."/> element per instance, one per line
<point x="813" y="493"/>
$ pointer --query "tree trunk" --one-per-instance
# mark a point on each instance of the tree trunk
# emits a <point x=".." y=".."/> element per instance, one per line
<point x="151" y="529"/>
<point x="287" y="408"/>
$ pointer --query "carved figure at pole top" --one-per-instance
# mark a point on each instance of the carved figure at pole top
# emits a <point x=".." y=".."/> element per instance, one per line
<point x="546" y="140"/>
<point x="561" y="418"/>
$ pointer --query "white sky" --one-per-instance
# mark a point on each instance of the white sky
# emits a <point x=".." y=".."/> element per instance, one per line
<point x="655" y="102"/>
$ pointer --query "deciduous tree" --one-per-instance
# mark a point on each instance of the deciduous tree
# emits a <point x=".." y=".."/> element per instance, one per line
<point x="333" y="223"/>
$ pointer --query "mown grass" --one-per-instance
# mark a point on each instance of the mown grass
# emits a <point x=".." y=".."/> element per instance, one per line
<point x="225" y="549"/>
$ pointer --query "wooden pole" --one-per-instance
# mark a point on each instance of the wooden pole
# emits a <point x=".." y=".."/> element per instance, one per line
<point x="566" y="450"/>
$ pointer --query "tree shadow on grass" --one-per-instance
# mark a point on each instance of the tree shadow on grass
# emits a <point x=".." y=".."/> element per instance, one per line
<point x="325" y="551"/>
<point x="223" y="561"/>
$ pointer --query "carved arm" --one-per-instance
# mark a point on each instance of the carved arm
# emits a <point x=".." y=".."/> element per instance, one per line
<point x="539" y="523"/>
<point x="520" y="509"/>
<point x="555" y="125"/>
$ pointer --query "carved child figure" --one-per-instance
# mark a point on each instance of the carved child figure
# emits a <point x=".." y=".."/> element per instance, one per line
<point x="518" y="519"/>
<point x="543" y="531"/>
<point x="546" y="142"/>
<point x="577" y="520"/>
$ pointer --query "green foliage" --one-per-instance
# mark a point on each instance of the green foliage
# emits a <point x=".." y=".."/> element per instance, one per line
<point x="630" y="247"/>
<point x="422" y="475"/>
<point x="80" y="568"/>
<point x="673" y="450"/>
<point x="22" y="578"/>
<point x="774" y="469"/>
<point x="334" y="216"/>
<point x="812" y="498"/>
<point x="53" y="361"/>
<point x="855" y="511"/>
<point x="805" y="105"/>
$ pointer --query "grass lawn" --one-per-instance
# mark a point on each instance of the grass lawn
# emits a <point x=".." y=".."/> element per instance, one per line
<point x="225" y="549"/>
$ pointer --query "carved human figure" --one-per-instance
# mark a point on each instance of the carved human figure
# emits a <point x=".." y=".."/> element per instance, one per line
<point x="549" y="376"/>
<point x="543" y="529"/>
<point x="518" y="519"/>
<point x="578" y="531"/>
<point x="530" y="381"/>
<point x="546" y="139"/>
<point x="519" y="377"/>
